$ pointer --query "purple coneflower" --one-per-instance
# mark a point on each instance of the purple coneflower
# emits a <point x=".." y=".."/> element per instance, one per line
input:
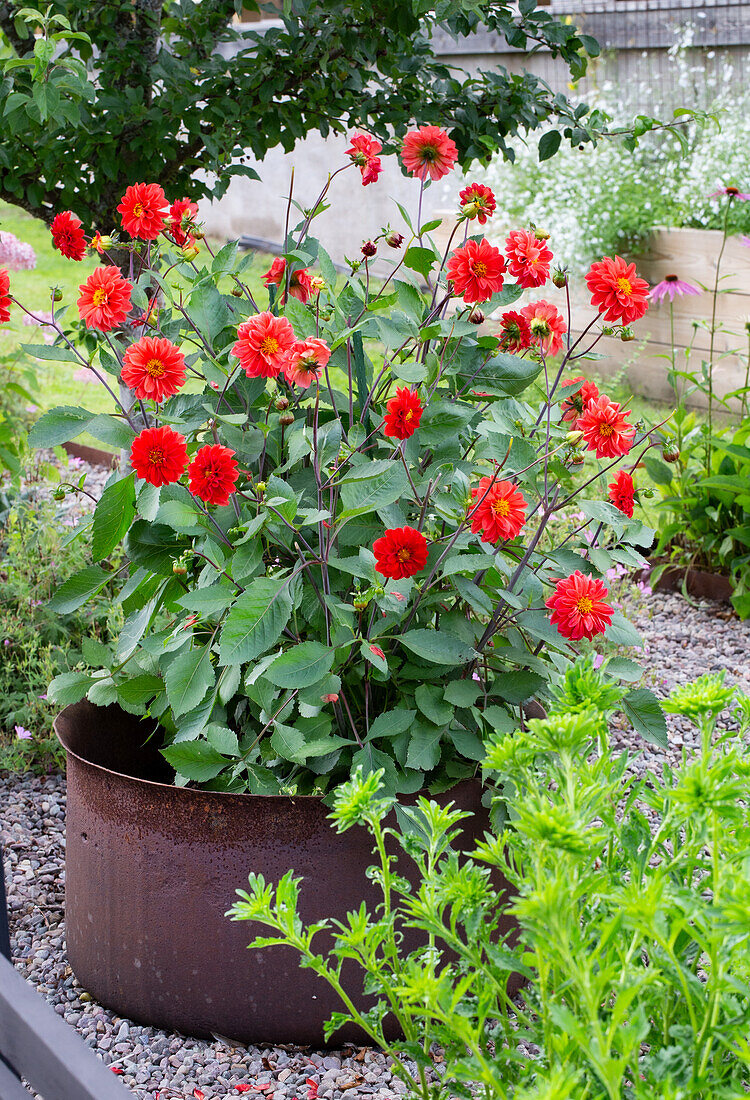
<point x="672" y="287"/>
<point x="731" y="193"/>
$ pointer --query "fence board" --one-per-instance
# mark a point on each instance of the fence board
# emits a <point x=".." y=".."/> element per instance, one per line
<point x="47" y="1051"/>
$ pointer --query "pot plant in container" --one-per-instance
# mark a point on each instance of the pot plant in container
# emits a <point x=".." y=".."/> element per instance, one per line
<point x="341" y="517"/>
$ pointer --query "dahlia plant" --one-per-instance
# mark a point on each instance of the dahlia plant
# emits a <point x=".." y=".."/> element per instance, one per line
<point x="347" y="512"/>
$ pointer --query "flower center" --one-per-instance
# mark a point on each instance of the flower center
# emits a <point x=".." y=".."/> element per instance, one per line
<point x="606" y="430"/>
<point x="625" y="285"/>
<point x="404" y="554"/>
<point x="138" y="210"/>
<point x="479" y="268"/>
<point x="428" y="153"/>
<point x="269" y="345"/>
<point x="540" y="327"/>
<point x="156" y="456"/>
<point x="500" y="507"/>
<point x="100" y="297"/>
<point x="584" y="605"/>
<point x="732" y="190"/>
<point x="671" y="279"/>
<point x="408" y="415"/>
<point x="155" y="368"/>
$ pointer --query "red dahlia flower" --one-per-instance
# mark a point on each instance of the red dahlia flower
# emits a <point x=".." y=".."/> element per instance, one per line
<point x="428" y="151"/>
<point x="263" y="343"/>
<point x="300" y="283"/>
<point x="515" y="332"/>
<point x="154" y="368"/>
<point x="4" y="296"/>
<point x="364" y="153"/>
<point x="546" y="324"/>
<point x="105" y="299"/>
<point x="476" y="271"/>
<point x="616" y="291"/>
<point x="529" y="258"/>
<point x="477" y="201"/>
<point x="622" y="492"/>
<point x="67" y="235"/>
<point x="159" y="455"/>
<point x="572" y="407"/>
<point x="182" y="210"/>
<point x="404" y="411"/>
<point x="401" y="552"/>
<point x="500" y="512"/>
<point x="143" y="208"/>
<point x="306" y="361"/>
<point x="605" y="428"/>
<point x="578" y="608"/>
<point x="213" y="473"/>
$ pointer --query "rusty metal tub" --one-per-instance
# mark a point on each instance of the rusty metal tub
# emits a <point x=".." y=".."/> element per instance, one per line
<point x="152" y="868"/>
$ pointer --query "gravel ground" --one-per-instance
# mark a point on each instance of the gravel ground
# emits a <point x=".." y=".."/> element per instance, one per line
<point x="683" y="641"/>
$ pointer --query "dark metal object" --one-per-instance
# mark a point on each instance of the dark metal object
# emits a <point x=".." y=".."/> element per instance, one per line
<point x="702" y="585"/>
<point x="93" y="455"/>
<point x="39" y="1046"/>
<point x="152" y="868"/>
<point x="4" y="930"/>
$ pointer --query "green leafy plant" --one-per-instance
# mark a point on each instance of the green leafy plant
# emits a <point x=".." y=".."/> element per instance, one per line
<point x="631" y="902"/>
<point x="36" y="643"/>
<point x="360" y="568"/>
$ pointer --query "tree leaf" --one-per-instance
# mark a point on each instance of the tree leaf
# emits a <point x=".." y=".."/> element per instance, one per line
<point x="256" y="621"/>
<point x="362" y="495"/>
<point x="69" y="687"/>
<point x="549" y="143"/>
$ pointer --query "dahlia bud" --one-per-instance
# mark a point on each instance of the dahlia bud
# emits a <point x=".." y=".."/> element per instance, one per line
<point x="197" y="232"/>
<point x="58" y="493"/>
<point x="395" y="240"/>
<point x="281" y="403"/>
<point x="626" y="335"/>
<point x="747" y="327"/>
<point x="360" y="603"/>
<point x="237" y="291"/>
<point x="317" y="284"/>
<point x="369" y="248"/>
<point x="260" y="488"/>
<point x="331" y="697"/>
<point x="57" y="294"/>
<point x="178" y="569"/>
<point x="574" y="437"/>
<point x="607" y="330"/>
<point x="476" y="316"/>
<point x="576" y="458"/>
<point x="670" y="452"/>
<point x="542" y="234"/>
<point x="190" y="251"/>
<point x="560" y="278"/>
<point x="286" y="419"/>
<point x="470" y="210"/>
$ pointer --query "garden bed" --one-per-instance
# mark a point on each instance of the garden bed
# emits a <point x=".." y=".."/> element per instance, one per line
<point x="682" y="641"/>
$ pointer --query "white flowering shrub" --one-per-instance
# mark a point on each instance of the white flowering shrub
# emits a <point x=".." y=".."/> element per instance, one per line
<point x="607" y="199"/>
